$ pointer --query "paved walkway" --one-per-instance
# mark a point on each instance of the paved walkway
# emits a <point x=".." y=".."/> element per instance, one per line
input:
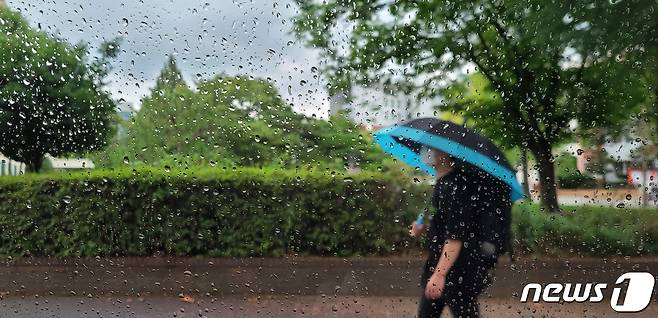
<point x="358" y="276"/>
<point x="278" y="307"/>
<point x="620" y="198"/>
<point x="280" y="287"/>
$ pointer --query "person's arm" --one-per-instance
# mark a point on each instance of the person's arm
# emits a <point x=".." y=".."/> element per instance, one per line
<point x="417" y="229"/>
<point x="449" y="255"/>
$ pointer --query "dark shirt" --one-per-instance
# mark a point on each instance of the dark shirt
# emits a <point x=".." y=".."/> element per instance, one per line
<point x="472" y="207"/>
<point x="454" y="200"/>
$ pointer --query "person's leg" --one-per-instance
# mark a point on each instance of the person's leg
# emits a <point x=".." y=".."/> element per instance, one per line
<point x="463" y="290"/>
<point x="463" y="305"/>
<point x="430" y="308"/>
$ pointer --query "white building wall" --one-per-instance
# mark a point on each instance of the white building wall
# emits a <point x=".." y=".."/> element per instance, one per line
<point x="10" y="167"/>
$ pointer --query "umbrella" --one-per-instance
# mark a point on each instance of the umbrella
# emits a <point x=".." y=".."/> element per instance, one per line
<point x="407" y="140"/>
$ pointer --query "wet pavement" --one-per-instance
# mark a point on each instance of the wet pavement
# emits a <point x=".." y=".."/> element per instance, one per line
<point x="281" y="287"/>
<point x="279" y="307"/>
<point x="622" y="198"/>
<point x="221" y="277"/>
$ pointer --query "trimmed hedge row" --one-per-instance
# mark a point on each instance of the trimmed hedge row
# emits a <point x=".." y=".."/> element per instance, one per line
<point x="217" y="212"/>
<point x="206" y="212"/>
<point x="586" y="231"/>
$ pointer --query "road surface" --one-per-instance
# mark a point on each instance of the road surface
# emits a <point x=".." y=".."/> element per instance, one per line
<point x="277" y="306"/>
<point x="281" y="287"/>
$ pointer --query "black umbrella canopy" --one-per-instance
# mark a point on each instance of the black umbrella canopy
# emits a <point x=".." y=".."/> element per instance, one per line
<point x="405" y="142"/>
<point x="460" y="134"/>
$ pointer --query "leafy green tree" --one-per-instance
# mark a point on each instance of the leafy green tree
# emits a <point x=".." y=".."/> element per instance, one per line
<point x="339" y="142"/>
<point x="238" y="121"/>
<point x="51" y="101"/>
<point x="157" y="129"/>
<point x="520" y="47"/>
<point x="271" y="133"/>
<point x="117" y="147"/>
<point x="605" y="89"/>
<point x="625" y="32"/>
<point x="170" y="77"/>
<point x="251" y="120"/>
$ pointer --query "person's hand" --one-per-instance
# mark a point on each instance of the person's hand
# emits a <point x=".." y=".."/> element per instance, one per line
<point x="417" y="229"/>
<point x="435" y="286"/>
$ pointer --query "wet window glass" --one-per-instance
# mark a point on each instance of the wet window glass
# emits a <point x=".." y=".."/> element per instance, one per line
<point x="328" y="158"/>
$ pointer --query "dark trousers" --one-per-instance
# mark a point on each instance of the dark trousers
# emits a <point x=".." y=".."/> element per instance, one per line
<point x="464" y="283"/>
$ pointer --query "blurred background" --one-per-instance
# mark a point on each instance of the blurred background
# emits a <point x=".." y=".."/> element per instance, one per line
<point x="180" y="154"/>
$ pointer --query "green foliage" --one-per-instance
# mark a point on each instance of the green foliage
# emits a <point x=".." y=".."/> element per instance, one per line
<point x="586" y="230"/>
<point x="518" y="47"/>
<point x="268" y="212"/>
<point x="475" y="101"/>
<point x="576" y="181"/>
<point x="238" y="121"/>
<point x="536" y="68"/>
<point x="626" y="31"/>
<point x="170" y="77"/>
<point x="568" y="175"/>
<point x="51" y="101"/>
<point x="215" y="212"/>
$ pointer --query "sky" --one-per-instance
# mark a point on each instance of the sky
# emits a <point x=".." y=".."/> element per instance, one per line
<point x="234" y="37"/>
<point x="206" y="37"/>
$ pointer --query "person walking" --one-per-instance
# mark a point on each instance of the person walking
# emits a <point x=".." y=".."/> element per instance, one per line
<point x="459" y="256"/>
<point x="473" y="194"/>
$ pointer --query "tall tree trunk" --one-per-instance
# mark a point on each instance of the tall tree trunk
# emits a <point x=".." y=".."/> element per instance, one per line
<point x="524" y="167"/>
<point x="655" y="106"/>
<point x="34" y="163"/>
<point x="644" y="184"/>
<point x="547" y="181"/>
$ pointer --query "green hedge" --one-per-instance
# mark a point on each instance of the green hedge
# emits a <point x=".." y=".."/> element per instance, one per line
<point x="576" y="181"/>
<point x="218" y="212"/>
<point x="586" y="231"/>
<point x="208" y="212"/>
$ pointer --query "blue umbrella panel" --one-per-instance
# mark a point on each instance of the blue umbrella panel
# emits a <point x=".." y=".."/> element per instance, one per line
<point x="406" y="142"/>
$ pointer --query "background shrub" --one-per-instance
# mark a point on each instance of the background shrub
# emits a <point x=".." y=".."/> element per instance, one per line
<point x="219" y="212"/>
<point x="577" y="181"/>
<point x="231" y="212"/>
<point x="585" y="230"/>
<point x="568" y="175"/>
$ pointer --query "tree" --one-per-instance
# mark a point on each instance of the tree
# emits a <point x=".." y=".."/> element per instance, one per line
<point x="521" y="47"/>
<point x="625" y="32"/>
<point x="238" y="120"/>
<point x="51" y="101"/>
<point x="170" y="77"/>
<point x="253" y="120"/>
<point x="605" y="88"/>
<point x="229" y="120"/>
<point x="159" y="129"/>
